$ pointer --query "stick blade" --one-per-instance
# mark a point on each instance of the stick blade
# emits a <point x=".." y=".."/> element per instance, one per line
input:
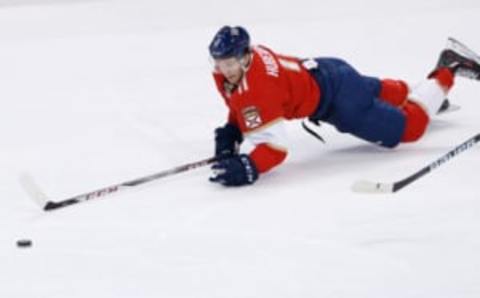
<point x="364" y="186"/>
<point x="32" y="189"/>
<point x="50" y="205"/>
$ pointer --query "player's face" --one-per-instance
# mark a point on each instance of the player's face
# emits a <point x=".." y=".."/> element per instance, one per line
<point x="231" y="68"/>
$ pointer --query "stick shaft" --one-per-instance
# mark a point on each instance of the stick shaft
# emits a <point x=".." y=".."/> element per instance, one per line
<point x="127" y="184"/>
<point x="365" y="186"/>
<point x="437" y="163"/>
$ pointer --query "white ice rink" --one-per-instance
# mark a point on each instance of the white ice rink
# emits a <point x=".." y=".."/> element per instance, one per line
<point x="97" y="92"/>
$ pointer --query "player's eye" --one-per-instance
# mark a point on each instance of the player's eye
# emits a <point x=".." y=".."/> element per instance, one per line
<point x="226" y="65"/>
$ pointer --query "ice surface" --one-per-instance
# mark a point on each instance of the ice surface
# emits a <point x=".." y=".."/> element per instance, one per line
<point x="98" y="92"/>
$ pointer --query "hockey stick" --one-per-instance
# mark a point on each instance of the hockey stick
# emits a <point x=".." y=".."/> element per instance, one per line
<point x="37" y="195"/>
<point x="380" y="187"/>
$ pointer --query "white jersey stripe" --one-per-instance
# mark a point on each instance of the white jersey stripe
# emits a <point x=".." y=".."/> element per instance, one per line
<point x="272" y="133"/>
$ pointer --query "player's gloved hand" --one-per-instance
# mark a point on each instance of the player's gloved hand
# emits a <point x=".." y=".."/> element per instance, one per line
<point x="234" y="171"/>
<point x="227" y="141"/>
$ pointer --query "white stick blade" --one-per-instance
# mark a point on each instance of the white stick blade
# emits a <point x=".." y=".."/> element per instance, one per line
<point x="31" y="188"/>
<point x="363" y="186"/>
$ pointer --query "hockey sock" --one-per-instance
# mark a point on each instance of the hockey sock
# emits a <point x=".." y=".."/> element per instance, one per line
<point x="431" y="93"/>
<point x="444" y="76"/>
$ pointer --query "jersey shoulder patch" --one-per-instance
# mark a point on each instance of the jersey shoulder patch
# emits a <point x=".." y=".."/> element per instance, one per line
<point x="252" y="118"/>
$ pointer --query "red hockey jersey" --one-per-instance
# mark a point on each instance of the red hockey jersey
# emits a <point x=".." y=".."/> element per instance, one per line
<point x="273" y="89"/>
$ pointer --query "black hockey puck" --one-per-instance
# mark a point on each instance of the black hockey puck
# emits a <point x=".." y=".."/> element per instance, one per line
<point x="24" y="243"/>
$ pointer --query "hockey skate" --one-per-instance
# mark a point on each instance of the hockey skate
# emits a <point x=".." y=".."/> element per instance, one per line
<point x="462" y="62"/>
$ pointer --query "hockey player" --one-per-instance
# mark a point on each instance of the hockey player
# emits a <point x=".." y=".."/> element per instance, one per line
<point x="263" y="89"/>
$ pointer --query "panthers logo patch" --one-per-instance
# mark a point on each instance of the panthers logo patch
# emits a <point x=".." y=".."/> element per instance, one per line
<point x="251" y="115"/>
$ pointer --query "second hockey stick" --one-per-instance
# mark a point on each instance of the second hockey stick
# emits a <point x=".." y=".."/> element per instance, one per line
<point x="363" y="186"/>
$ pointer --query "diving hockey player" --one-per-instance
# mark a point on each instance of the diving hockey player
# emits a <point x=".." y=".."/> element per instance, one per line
<point x="263" y="89"/>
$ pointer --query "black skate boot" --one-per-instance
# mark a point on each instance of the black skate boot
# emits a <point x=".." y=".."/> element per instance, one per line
<point x="460" y="60"/>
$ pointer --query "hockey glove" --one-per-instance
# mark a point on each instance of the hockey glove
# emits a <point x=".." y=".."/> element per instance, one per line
<point x="227" y="141"/>
<point x="234" y="171"/>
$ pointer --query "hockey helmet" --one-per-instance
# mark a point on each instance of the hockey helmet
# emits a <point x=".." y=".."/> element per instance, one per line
<point x="229" y="42"/>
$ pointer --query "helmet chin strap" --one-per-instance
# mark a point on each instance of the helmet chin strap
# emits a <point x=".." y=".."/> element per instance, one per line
<point x="245" y="61"/>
